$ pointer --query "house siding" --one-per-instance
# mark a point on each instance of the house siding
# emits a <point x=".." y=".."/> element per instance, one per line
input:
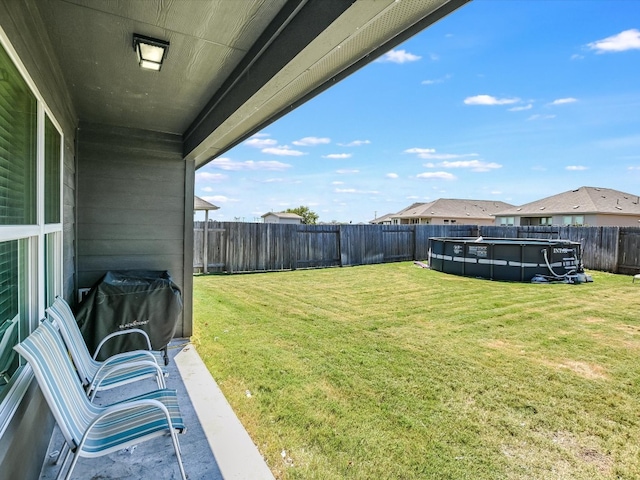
<point x="132" y="206"/>
<point x="25" y="440"/>
<point x="281" y="220"/>
<point x="615" y="221"/>
<point x="590" y="220"/>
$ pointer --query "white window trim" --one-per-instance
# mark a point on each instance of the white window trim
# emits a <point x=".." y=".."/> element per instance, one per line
<point x="35" y="235"/>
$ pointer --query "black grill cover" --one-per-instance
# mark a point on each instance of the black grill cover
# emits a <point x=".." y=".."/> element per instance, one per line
<point x="144" y="299"/>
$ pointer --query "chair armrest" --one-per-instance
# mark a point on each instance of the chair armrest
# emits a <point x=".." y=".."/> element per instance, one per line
<point x="104" y="372"/>
<point x="142" y="355"/>
<point x="122" y="332"/>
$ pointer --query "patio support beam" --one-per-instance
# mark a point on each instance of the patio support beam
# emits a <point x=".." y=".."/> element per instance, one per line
<point x="295" y="27"/>
<point x="378" y="52"/>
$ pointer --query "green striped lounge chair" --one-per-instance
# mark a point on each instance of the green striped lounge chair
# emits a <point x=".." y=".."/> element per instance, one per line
<point x="120" y="369"/>
<point x="91" y="430"/>
<point x="8" y="338"/>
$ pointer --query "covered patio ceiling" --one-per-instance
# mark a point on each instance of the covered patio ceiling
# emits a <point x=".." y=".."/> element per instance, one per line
<point x="233" y="66"/>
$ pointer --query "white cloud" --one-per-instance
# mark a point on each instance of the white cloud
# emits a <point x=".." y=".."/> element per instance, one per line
<point x="430" y="154"/>
<point x="436" y="80"/>
<point x="520" y="109"/>
<point x="489" y="100"/>
<point x="391" y="175"/>
<point x="496" y="192"/>
<point x="260" y="142"/>
<point x="207" y="189"/>
<point x="562" y="101"/>
<point x="473" y="165"/>
<point x="576" y="168"/>
<point x="577" y="56"/>
<point x="230" y="165"/>
<point x="212" y="177"/>
<point x="337" y="182"/>
<point x="353" y="190"/>
<point x="634" y="168"/>
<point x="538" y="116"/>
<point x="446" y="156"/>
<point x="440" y="175"/>
<point x="311" y="141"/>
<point x="337" y="155"/>
<point x="344" y="171"/>
<point x="219" y="199"/>
<point x="355" y="143"/>
<point x="626" y="40"/>
<point x="284" y="151"/>
<point x="420" y="151"/>
<point x="399" y="56"/>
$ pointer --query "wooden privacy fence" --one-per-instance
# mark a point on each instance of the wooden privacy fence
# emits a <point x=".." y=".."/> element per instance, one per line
<point x="235" y="247"/>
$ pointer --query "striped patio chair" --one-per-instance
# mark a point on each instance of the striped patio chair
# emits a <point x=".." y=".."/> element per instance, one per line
<point x="120" y="369"/>
<point x="8" y="338"/>
<point x="90" y="430"/>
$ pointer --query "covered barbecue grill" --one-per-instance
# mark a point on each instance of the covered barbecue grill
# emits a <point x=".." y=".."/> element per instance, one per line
<point x="144" y="299"/>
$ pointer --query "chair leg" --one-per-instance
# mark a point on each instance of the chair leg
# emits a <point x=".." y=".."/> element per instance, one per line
<point x="63" y="451"/>
<point x="176" y="447"/>
<point x="160" y="381"/>
<point x="76" y="456"/>
<point x="64" y="461"/>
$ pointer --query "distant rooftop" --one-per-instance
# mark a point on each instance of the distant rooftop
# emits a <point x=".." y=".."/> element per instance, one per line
<point x="201" y="204"/>
<point x="282" y="215"/>
<point x="454" y="208"/>
<point x="581" y="200"/>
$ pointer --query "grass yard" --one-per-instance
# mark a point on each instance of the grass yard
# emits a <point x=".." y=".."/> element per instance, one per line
<point x="397" y="372"/>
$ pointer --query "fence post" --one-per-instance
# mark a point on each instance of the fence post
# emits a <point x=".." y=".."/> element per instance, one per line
<point x="617" y="253"/>
<point x="205" y="244"/>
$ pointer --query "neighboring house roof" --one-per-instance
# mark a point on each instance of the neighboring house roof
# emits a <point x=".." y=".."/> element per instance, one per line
<point x="582" y="200"/>
<point x="201" y="204"/>
<point x="383" y="218"/>
<point x="453" y="208"/>
<point x="282" y="215"/>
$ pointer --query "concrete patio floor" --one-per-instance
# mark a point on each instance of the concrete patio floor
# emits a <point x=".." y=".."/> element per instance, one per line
<point x="215" y="447"/>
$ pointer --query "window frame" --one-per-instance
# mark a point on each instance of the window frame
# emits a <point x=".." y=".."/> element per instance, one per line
<point x="35" y="240"/>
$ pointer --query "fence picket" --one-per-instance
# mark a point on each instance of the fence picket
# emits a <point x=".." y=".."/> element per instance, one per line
<point x="249" y="247"/>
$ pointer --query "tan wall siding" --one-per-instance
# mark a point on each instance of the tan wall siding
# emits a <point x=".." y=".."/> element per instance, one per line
<point x="616" y="221"/>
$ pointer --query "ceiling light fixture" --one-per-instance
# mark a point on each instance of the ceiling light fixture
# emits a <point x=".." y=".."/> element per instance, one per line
<point x="151" y="51"/>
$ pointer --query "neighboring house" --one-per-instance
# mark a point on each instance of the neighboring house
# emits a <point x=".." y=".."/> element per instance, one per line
<point x="585" y="206"/>
<point x="383" y="220"/>
<point x="201" y="204"/>
<point x="447" y="211"/>
<point x="282" y="217"/>
<point x="98" y="156"/>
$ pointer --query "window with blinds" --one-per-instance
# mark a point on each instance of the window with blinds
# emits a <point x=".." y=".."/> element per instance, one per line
<point x="18" y="142"/>
<point x="8" y="281"/>
<point x="51" y="172"/>
<point x="30" y="253"/>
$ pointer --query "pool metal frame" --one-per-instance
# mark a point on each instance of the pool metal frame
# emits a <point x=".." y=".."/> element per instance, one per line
<point x="511" y="259"/>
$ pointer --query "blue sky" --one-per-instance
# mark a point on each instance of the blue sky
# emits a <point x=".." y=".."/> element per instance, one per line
<point x="510" y="100"/>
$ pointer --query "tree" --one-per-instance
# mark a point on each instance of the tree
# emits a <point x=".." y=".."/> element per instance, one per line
<point x="309" y="217"/>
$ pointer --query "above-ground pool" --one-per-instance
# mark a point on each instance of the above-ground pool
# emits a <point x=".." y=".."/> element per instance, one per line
<point x="514" y="259"/>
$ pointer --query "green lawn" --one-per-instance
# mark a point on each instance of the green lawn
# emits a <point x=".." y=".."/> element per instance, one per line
<point x="397" y="372"/>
